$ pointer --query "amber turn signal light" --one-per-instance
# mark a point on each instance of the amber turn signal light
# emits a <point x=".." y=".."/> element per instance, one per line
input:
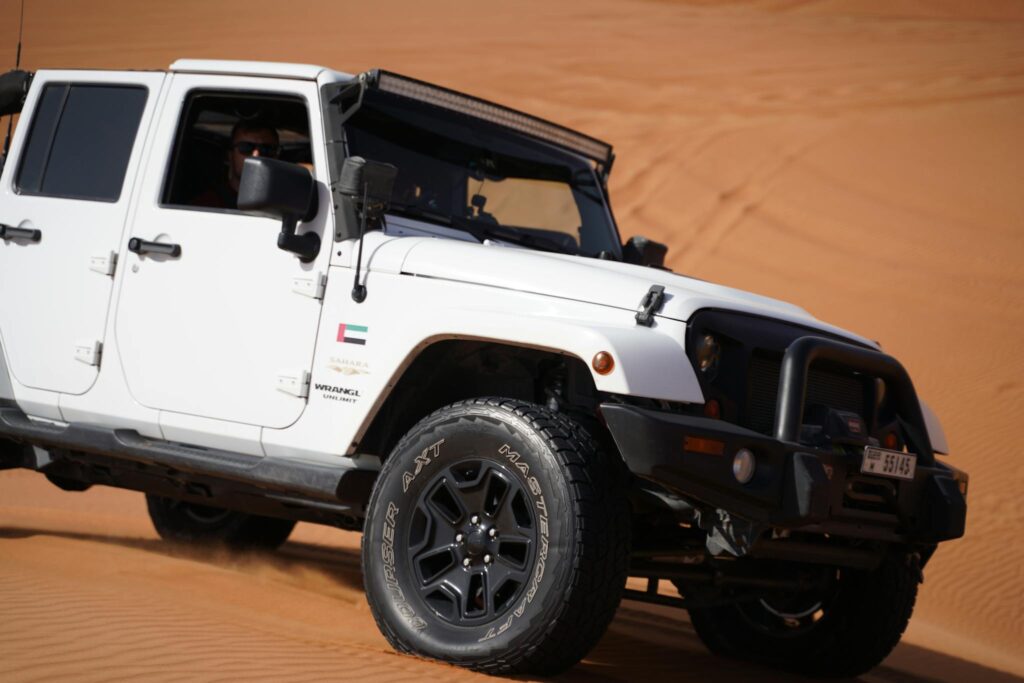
<point x="713" y="409"/>
<point x="695" y="444"/>
<point x="603" y="363"/>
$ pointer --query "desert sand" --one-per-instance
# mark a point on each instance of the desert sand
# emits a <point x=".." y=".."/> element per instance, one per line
<point x="862" y="159"/>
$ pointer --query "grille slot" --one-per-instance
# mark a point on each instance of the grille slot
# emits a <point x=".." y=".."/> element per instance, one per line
<point x="764" y="390"/>
<point x="833" y="389"/>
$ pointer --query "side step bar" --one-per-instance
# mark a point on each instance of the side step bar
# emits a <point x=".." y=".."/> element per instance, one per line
<point x="338" y="487"/>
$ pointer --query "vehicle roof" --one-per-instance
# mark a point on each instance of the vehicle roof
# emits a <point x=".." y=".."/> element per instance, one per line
<point x="309" y="72"/>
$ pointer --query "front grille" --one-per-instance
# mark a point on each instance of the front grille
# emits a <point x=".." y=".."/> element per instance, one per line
<point x="746" y="379"/>
<point x="833" y="389"/>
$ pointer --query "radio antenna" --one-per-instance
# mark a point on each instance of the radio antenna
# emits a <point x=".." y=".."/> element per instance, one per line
<point x="17" y="65"/>
<point x="21" y="31"/>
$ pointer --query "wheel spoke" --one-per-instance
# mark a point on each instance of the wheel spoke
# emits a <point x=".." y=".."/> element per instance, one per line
<point x="469" y="483"/>
<point x="503" y="582"/>
<point x="434" y="564"/>
<point x="445" y="504"/>
<point x="496" y="489"/>
<point x="514" y="550"/>
<point x="515" y="514"/>
<point x="421" y="536"/>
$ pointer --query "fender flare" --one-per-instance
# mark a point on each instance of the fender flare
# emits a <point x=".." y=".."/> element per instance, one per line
<point x="936" y="434"/>
<point x="649" y="362"/>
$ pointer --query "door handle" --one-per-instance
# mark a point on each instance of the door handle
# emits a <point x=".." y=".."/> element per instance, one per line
<point x="140" y="247"/>
<point x="30" y="234"/>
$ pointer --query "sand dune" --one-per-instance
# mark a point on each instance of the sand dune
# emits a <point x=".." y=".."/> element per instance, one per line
<point x="860" y="158"/>
<point x="87" y="592"/>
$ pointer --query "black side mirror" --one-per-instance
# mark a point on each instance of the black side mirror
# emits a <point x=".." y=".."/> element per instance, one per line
<point x="364" y="189"/>
<point x="286" y="191"/>
<point x="642" y="251"/>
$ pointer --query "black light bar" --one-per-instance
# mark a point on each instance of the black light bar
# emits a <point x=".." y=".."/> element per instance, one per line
<point x="592" y="148"/>
<point x="13" y="88"/>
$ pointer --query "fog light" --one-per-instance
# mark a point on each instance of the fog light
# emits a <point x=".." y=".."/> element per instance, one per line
<point x="743" y="465"/>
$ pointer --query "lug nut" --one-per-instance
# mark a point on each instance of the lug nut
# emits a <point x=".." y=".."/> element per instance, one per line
<point x="475" y="519"/>
<point x="466" y="562"/>
<point x="487" y="559"/>
<point x="458" y="538"/>
<point x="493" y="532"/>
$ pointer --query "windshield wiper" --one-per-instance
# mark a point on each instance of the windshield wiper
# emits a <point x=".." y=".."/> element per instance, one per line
<point x="483" y="231"/>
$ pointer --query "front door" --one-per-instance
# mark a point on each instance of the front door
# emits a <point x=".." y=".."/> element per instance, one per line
<point x="65" y="196"/>
<point x="223" y="326"/>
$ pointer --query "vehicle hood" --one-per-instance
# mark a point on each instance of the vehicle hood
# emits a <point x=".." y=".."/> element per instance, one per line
<point x="606" y="283"/>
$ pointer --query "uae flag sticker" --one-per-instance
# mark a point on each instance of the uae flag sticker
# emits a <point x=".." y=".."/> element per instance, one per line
<point x="352" y="334"/>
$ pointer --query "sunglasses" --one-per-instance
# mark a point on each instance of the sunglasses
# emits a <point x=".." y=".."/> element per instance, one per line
<point x="265" y="149"/>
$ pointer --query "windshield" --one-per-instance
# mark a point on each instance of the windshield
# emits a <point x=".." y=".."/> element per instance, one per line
<point x="482" y="179"/>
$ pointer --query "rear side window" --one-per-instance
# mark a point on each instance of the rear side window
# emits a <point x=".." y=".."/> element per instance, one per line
<point x="80" y="141"/>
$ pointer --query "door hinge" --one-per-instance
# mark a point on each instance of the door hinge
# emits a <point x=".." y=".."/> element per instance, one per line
<point x="104" y="264"/>
<point x="294" y="382"/>
<point x="312" y="286"/>
<point x="88" y="351"/>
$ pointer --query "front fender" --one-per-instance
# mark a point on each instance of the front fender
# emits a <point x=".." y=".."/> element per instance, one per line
<point x="404" y="314"/>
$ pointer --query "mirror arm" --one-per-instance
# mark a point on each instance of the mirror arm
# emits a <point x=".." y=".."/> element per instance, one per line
<point x="359" y="289"/>
<point x="306" y="246"/>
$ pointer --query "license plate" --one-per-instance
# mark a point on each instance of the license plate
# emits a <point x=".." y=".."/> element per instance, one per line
<point x="886" y="463"/>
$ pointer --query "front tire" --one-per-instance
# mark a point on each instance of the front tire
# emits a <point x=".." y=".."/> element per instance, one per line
<point x="181" y="521"/>
<point x="842" y="631"/>
<point x="496" y="539"/>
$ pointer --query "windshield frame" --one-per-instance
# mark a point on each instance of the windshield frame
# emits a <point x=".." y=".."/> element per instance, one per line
<point x="580" y="175"/>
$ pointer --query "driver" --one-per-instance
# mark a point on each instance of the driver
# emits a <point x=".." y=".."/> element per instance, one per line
<point x="252" y="138"/>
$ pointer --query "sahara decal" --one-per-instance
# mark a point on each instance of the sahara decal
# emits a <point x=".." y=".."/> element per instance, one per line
<point x="348" y="367"/>
<point x="353" y="334"/>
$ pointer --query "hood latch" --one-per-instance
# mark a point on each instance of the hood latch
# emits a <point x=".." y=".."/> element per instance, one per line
<point x="649" y="305"/>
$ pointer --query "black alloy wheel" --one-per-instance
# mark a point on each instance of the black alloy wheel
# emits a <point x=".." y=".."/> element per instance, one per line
<point x="187" y="522"/>
<point x="844" y="628"/>
<point x="472" y="541"/>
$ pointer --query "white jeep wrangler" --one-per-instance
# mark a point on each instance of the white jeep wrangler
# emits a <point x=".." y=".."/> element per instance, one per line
<point x="262" y="293"/>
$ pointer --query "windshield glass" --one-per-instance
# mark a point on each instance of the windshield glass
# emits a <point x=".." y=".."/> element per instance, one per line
<point x="482" y="179"/>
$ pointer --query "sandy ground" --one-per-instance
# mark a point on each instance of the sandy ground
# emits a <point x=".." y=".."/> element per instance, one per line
<point x="863" y="159"/>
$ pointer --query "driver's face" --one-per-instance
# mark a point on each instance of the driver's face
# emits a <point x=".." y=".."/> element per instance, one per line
<point x="251" y="143"/>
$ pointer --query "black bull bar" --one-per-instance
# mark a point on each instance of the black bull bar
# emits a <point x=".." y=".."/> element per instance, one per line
<point x="797" y="486"/>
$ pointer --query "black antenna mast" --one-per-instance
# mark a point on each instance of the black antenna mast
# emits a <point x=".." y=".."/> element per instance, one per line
<point x="17" y="65"/>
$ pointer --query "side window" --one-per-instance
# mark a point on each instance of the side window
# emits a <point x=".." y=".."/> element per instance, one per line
<point x="80" y="141"/>
<point x="218" y="131"/>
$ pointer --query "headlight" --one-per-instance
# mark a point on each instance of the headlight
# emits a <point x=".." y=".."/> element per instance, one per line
<point x="708" y="352"/>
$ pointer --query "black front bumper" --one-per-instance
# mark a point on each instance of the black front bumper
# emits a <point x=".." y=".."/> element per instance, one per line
<point x="796" y="486"/>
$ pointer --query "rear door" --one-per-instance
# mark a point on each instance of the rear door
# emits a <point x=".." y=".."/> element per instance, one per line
<point x="66" y="190"/>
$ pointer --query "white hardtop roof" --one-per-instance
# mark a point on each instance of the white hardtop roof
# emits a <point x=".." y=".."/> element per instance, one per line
<point x="308" y="72"/>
